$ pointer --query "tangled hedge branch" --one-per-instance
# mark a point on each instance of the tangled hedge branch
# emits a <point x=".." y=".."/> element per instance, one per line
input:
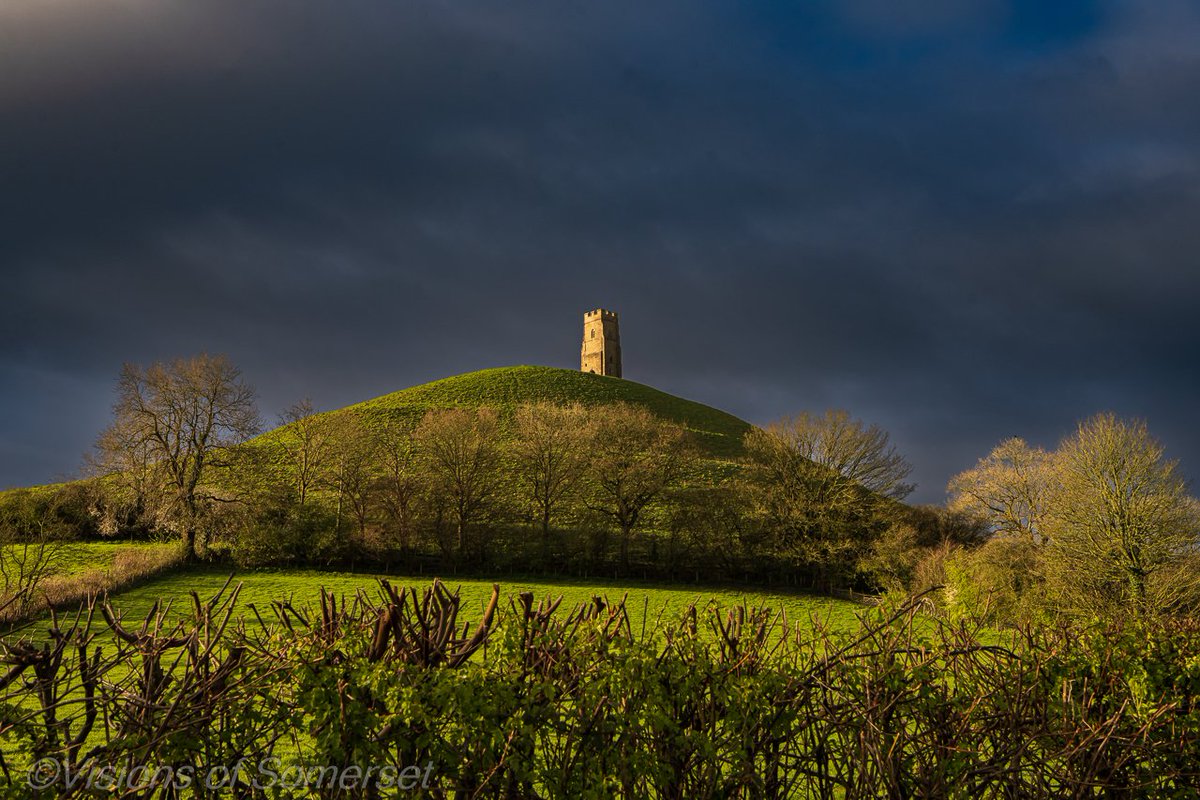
<point x="530" y="700"/>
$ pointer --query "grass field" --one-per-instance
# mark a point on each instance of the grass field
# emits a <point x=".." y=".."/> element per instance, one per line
<point x="77" y="557"/>
<point x="71" y="559"/>
<point x="647" y="600"/>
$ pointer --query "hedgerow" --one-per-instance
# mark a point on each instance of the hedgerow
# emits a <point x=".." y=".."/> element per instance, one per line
<point x="540" y="701"/>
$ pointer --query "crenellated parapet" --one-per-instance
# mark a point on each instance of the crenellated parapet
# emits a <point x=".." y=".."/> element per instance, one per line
<point x="601" y="350"/>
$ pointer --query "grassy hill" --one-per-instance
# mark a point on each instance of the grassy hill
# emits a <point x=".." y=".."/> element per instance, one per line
<point x="505" y="388"/>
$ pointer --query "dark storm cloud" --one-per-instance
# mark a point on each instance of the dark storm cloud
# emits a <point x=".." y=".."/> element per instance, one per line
<point x="966" y="221"/>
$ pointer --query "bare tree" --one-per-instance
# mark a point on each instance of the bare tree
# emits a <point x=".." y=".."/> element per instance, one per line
<point x="306" y="438"/>
<point x="1124" y="532"/>
<point x="849" y="447"/>
<point x="1009" y="489"/>
<point x="460" y="450"/>
<point x="350" y="470"/>
<point x="31" y="546"/>
<point x="174" y="418"/>
<point x="634" y="457"/>
<point x="550" y="457"/>
<point x="816" y="516"/>
<point x="400" y="483"/>
<point x="130" y="478"/>
<point x="825" y="488"/>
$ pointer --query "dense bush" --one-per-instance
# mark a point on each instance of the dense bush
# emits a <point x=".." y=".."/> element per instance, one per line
<point x="531" y="700"/>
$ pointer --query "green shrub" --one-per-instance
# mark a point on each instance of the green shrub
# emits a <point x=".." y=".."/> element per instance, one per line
<point x="540" y="702"/>
<point x="999" y="582"/>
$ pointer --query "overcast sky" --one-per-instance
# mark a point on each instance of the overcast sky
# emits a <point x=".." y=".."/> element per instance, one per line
<point x="961" y="220"/>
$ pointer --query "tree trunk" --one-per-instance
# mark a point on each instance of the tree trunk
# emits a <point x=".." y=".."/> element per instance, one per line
<point x="189" y="543"/>
<point x="191" y="555"/>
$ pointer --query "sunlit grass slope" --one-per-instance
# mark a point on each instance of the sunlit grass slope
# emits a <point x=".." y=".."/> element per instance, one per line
<point x="505" y="388"/>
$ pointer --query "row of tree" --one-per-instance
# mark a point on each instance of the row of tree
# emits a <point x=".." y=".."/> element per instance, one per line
<point x="456" y="475"/>
<point x="1103" y="524"/>
<point x="542" y="486"/>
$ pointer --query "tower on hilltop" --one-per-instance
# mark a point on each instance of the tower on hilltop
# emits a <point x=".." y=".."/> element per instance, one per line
<point x="601" y="351"/>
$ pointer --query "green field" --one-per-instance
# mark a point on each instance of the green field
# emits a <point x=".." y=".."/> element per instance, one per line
<point x="645" y="600"/>
<point x="77" y="557"/>
<point x="70" y="559"/>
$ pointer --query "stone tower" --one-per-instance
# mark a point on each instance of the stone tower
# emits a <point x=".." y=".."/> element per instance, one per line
<point x="601" y="352"/>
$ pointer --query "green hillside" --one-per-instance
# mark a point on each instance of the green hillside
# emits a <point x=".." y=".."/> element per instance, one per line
<point x="504" y="388"/>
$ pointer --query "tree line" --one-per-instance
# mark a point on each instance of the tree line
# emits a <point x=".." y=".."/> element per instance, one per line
<point x="541" y="487"/>
<point x="458" y="482"/>
<point x="546" y="487"/>
<point x="1103" y="525"/>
